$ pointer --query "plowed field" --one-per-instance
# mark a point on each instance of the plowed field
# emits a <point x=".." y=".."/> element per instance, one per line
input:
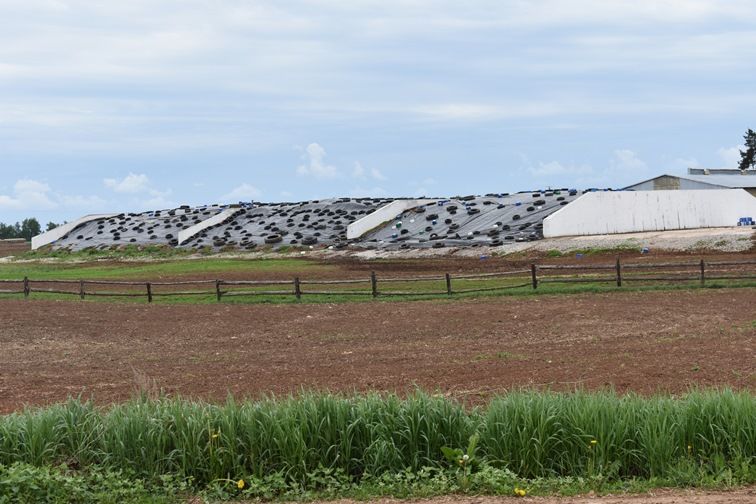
<point x="639" y="341"/>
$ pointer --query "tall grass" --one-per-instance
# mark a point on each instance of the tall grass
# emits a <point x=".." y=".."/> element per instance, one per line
<point x="532" y="434"/>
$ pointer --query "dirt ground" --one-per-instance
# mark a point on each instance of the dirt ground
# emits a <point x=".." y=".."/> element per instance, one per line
<point x="13" y="247"/>
<point x="639" y="341"/>
<point x="350" y="267"/>
<point x="741" y="496"/>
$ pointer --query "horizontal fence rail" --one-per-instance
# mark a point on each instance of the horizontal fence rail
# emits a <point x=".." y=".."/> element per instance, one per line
<point x="411" y="286"/>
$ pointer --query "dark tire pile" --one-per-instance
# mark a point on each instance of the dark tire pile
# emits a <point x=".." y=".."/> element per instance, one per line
<point x="493" y="220"/>
<point x="310" y="223"/>
<point x="159" y="227"/>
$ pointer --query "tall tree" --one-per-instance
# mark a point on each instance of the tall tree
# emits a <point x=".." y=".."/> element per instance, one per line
<point x="26" y="229"/>
<point x="30" y="227"/>
<point x="748" y="156"/>
<point x="7" y="231"/>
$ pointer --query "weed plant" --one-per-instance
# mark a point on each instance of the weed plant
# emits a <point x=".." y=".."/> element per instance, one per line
<point x="383" y="444"/>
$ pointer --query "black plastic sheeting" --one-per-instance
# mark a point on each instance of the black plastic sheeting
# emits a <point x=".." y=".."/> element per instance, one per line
<point x="493" y="220"/>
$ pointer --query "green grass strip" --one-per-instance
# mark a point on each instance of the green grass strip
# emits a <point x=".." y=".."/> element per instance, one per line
<point x="156" y="269"/>
<point x="315" y="440"/>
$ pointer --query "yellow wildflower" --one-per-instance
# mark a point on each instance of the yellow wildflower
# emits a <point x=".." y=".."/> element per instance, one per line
<point x="594" y="442"/>
<point x="520" y="492"/>
<point x="240" y="484"/>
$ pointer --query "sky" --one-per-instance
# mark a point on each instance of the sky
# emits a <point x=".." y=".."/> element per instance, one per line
<point x="147" y="104"/>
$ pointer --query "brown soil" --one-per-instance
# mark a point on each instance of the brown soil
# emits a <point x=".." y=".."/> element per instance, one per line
<point x="13" y="247"/>
<point x="348" y="267"/>
<point x="453" y="263"/>
<point x="740" y="496"/>
<point x="639" y="341"/>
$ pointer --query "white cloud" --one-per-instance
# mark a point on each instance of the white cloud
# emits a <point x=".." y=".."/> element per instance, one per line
<point x="487" y="111"/>
<point x="626" y="160"/>
<point x="147" y="196"/>
<point x="376" y="174"/>
<point x="623" y="168"/>
<point x="421" y="188"/>
<point x="243" y="192"/>
<point x="554" y="168"/>
<point x="367" y="192"/>
<point x="144" y="77"/>
<point x="730" y="156"/>
<point x="29" y="186"/>
<point x="157" y="201"/>
<point x="361" y="173"/>
<point x="682" y="164"/>
<point x="29" y="194"/>
<point x="358" y="172"/>
<point x="83" y="202"/>
<point x="315" y="166"/>
<point x="131" y="184"/>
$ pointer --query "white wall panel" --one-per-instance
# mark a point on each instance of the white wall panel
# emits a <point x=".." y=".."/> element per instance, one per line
<point x="383" y="214"/>
<point x="637" y="211"/>
<point x="54" y="234"/>
<point x="189" y="232"/>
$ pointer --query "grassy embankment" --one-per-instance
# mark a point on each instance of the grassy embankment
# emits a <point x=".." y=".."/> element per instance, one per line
<point x="173" y="268"/>
<point x="329" y="446"/>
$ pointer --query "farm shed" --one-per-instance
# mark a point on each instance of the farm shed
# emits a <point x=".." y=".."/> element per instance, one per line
<point x="636" y="211"/>
<point x="699" y="179"/>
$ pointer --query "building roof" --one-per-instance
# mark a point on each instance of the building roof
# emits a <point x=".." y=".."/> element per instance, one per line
<point x="719" y="171"/>
<point x="730" y="181"/>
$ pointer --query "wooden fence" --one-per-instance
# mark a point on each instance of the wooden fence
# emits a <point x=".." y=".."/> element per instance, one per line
<point x="616" y="273"/>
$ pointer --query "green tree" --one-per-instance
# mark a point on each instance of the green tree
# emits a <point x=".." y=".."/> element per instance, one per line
<point x="748" y="156"/>
<point x="30" y="227"/>
<point x="7" y="231"/>
<point x="50" y="226"/>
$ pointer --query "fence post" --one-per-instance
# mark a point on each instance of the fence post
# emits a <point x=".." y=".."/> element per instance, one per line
<point x="533" y="276"/>
<point x="619" y="272"/>
<point x="27" y="289"/>
<point x="703" y="273"/>
<point x="81" y="289"/>
<point x="149" y="292"/>
<point x="297" y="288"/>
<point x="217" y="289"/>
<point x="448" y="284"/>
<point x="374" y="284"/>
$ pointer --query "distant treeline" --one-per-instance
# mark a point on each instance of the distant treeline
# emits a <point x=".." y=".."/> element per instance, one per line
<point x="24" y="229"/>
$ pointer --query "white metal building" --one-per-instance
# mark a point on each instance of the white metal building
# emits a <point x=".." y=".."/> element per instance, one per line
<point x="698" y="179"/>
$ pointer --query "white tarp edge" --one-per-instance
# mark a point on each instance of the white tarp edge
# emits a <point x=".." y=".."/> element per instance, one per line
<point x="189" y="232"/>
<point x="382" y="215"/>
<point x="48" y="237"/>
